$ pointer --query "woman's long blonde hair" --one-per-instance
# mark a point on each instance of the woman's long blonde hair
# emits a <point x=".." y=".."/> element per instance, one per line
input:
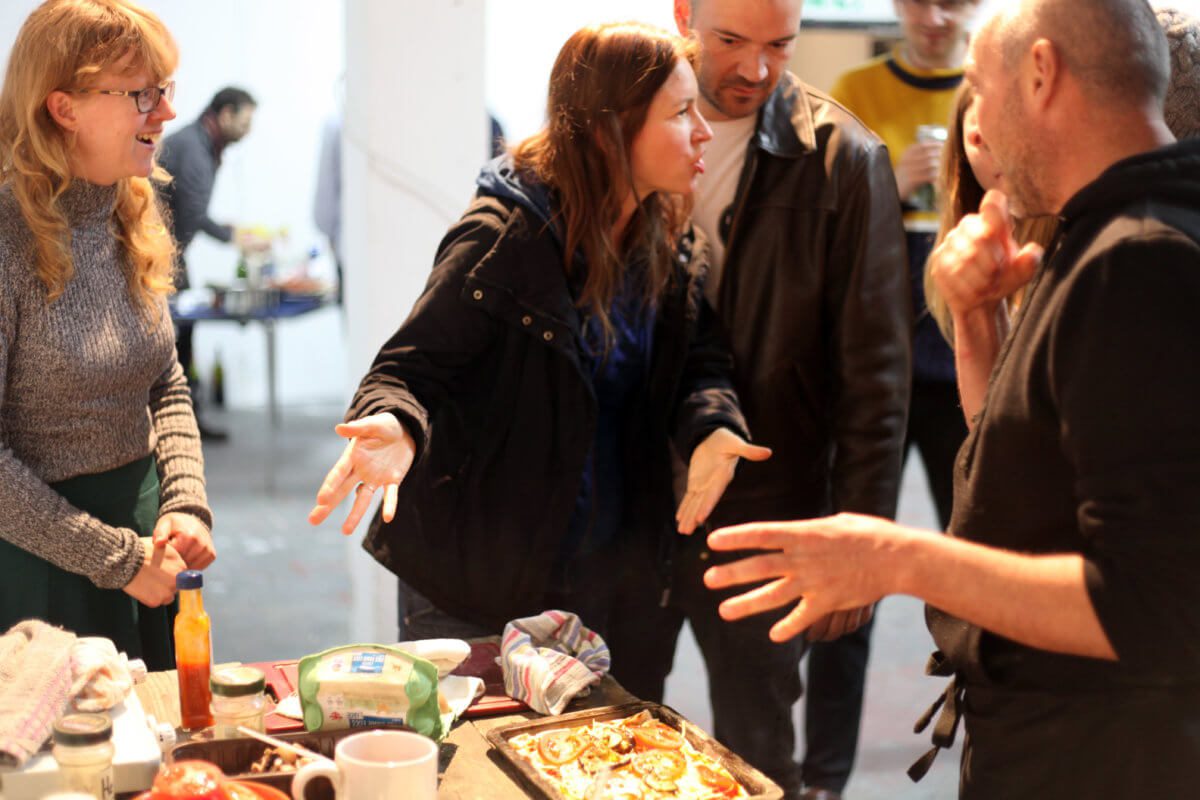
<point x="961" y="194"/>
<point x="63" y="45"/>
<point x="601" y="87"/>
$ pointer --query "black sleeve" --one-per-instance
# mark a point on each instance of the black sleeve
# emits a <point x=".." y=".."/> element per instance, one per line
<point x="871" y="337"/>
<point x="708" y="400"/>
<point x="417" y="367"/>
<point x="1123" y="373"/>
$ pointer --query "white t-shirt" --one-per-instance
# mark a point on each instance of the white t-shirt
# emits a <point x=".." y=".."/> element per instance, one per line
<point x="723" y="159"/>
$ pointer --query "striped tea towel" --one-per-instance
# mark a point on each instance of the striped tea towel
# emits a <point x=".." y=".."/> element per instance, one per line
<point x="35" y="684"/>
<point x="550" y="659"/>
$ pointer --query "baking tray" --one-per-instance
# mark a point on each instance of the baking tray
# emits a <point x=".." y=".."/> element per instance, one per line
<point x="757" y="784"/>
<point x="234" y="757"/>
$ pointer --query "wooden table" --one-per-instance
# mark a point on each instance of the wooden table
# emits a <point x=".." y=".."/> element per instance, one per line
<point x="467" y="769"/>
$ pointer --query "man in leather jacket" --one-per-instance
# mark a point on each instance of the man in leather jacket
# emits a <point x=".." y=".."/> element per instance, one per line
<point x="810" y="283"/>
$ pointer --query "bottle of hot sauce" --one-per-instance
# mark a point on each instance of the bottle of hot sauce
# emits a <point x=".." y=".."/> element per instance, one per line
<point x="193" y="652"/>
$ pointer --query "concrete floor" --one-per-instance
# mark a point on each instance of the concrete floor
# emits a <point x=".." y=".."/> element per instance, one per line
<point x="282" y="588"/>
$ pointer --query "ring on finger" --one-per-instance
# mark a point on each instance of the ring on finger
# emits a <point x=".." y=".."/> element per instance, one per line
<point x="370" y="487"/>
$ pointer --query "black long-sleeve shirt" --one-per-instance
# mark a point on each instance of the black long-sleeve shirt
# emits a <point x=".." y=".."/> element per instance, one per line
<point x="1089" y="440"/>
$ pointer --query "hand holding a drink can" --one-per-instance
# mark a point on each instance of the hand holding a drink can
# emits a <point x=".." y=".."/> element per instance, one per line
<point x="919" y="165"/>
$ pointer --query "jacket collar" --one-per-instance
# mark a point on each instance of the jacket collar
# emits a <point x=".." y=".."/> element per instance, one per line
<point x="785" y="122"/>
<point x="1170" y="173"/>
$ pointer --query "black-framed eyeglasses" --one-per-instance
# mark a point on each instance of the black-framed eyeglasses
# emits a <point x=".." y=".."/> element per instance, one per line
<point x="146" y="99"/>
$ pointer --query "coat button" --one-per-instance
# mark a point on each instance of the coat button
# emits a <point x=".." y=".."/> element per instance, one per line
<point x="704" y="556"/>
<point x="477" y="294"/>
<point x="526" y="320"/>
<point x="548" y="335"/>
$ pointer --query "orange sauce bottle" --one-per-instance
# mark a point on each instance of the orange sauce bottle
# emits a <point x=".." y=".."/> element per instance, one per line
<point x="193" y="652"/>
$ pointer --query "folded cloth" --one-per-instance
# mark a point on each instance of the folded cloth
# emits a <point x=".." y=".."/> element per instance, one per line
<point x="101" y="676"/>
<point x="550" y="659"/>
<point x="35" y="685"/>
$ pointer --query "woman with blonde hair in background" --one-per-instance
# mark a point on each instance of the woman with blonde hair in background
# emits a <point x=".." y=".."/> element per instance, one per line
<point x="102" y="497"/>
<point x="519" y="423"/>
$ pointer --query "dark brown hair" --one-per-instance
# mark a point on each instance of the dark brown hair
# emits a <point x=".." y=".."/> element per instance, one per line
<point x="601" y="87"/>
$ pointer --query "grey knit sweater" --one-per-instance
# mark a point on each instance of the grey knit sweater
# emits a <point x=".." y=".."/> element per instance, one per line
<point x="87" y="384"/>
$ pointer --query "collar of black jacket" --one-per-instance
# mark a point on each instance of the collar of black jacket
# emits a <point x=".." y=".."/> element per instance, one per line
<point x="785" y="122"/>
<point x="1168" y="174"/>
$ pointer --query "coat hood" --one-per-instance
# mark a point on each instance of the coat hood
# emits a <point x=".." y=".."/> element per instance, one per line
<point x="1169" y="174"/>
<point x="500" y="178"/>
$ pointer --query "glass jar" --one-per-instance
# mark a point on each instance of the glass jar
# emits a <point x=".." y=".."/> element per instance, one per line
<point x="237" y="699"/>
<point x="83" y="749"/>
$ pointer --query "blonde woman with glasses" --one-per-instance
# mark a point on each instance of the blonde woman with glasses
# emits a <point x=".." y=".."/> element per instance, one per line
<point x="102" y="497"/>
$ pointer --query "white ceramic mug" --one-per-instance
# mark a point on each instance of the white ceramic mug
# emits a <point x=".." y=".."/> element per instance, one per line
<point x="377" y="765"/>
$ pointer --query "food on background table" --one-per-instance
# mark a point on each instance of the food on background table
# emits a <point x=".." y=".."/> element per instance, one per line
<point x="363" y="685"/>
<point x="635" y="758"/>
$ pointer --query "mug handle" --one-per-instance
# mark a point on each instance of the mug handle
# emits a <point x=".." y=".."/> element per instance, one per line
<point x="317" y="769"/>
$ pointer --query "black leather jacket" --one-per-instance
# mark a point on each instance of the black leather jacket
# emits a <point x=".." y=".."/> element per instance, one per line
<point x="486" y="376"/>
<point x="814" y="297"/>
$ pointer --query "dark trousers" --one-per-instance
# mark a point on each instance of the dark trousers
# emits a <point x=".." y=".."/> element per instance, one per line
<point x="184" y="332"/>
<point x="937" y="429"/>
<point x="837" y="676"/>
<point x="753" y="682"/>
<point x="837" y="670"/>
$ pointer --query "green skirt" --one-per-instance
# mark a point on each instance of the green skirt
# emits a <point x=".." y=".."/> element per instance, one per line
<point x="30" y="587"/>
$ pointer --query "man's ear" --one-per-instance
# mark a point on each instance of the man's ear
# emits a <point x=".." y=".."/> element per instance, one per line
<point x="61" y="106"/>
<point x="683" y="16"/>
<point x="1044" y="73"/>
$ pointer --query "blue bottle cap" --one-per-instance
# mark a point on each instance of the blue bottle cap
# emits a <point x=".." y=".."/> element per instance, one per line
<point x="189" y="579"/>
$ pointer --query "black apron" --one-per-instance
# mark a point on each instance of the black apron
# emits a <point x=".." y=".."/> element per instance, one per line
<point x="31" y="587"/>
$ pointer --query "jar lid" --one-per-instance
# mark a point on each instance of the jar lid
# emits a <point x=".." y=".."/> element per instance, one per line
<point x="189" y="579"/>
<point x="237" y="681"/>
<point x="82" y="729"/>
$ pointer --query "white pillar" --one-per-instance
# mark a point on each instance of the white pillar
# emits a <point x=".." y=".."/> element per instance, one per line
<point x="414" y="136"/>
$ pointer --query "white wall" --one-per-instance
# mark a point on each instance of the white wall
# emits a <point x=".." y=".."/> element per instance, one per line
<point x="524" y="36"/>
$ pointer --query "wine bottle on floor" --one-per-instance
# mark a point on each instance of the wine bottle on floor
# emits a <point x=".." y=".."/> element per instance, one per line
<point x="218" y="382"/>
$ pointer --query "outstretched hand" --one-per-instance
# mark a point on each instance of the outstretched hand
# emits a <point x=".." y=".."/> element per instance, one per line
<point x="830" y="565"/>
<point x="709" y="473"/>
<point x="378" y="456"/>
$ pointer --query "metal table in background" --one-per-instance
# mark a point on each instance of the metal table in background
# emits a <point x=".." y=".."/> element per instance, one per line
<point x="288" y="307"/>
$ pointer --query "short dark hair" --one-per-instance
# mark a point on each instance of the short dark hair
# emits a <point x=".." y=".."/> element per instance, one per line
<point x="230" y="96"/>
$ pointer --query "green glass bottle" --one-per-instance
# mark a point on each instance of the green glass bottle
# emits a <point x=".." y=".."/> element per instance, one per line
<point x="218" y="382"/>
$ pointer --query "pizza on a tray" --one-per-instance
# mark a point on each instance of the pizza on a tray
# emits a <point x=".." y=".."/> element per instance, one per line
<point x="635" y="758"/>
